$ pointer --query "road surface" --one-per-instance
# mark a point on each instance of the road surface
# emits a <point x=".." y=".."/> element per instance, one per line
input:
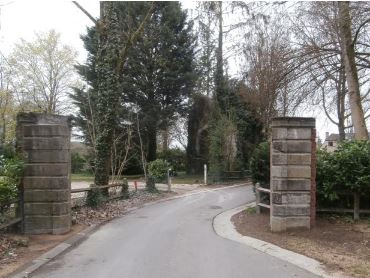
<point x="172" y="239"/>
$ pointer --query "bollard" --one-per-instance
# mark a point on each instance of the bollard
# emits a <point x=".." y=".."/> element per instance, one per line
<point x="135" y="184"/>
<point x="205" y="174"/>
<point x="169" y="180"/>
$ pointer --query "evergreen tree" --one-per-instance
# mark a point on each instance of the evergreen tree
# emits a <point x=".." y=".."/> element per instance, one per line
<point x="159" y="75"/>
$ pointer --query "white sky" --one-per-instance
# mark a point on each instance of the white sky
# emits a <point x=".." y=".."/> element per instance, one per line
<point x="21" y="19"/>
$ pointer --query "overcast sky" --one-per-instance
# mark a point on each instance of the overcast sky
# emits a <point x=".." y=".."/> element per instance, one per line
<point x="21" y="19"/>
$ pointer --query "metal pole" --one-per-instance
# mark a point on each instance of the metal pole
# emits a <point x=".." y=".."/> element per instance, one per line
<point x="169" y="180"/>
<point x="205" y="174"/>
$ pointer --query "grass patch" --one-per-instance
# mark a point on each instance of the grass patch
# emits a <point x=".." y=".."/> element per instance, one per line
<point x="181" y="178"/>
<point x="82" y="177"/>
<point x="250" y="210"/>
<point x="187" y="179"/>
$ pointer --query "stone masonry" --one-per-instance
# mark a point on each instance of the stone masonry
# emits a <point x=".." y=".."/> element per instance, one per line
<point x="292" y="169"/>
<point x="44" y="141"/>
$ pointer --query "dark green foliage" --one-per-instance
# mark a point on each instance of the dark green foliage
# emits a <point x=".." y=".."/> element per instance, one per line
<point x="234" y="122"/>
<point x="95" y="197"/>
<point x="158" y="169"/>
<point x="197" y="151"/>
<point x="260" y="164"/>
<point x="221" y="150"/>
<point x="175" y="157"/>
<point x="150" y="184"/>
<point x="11" y="170"/>
<point x="159" y="76"/>
<point x="77" y="163"/>
<point x="346" y="169"/>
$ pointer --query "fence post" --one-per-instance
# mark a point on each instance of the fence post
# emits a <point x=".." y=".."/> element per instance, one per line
<point x="356" y="206"/>
<point x="258" y="198"/>
<point x="169" y="180"/>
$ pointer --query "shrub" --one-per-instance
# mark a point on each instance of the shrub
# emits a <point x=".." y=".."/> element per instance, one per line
<point x="347" y="168"/>
<point x="175" y="157"/>
<point x="95" y="197"/>
<point x="77" y="163"/>
<point x="158" y="169"/>
<point x="11" y="170"/>
<point x="260" y="164"/>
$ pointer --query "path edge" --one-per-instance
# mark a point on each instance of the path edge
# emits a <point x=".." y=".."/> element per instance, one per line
<point x="26" y="270"/>
<point x="224" y="227"/>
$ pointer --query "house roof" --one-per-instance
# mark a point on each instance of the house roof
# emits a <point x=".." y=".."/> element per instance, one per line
<point x="335" y="137"/>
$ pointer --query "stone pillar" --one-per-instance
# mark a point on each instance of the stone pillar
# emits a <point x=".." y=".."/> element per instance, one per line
<point x="44" y="141"/>
<point x="292" y="173"/>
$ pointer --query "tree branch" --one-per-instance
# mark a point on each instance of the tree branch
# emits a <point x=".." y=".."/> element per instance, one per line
<point x="85" y="12"/>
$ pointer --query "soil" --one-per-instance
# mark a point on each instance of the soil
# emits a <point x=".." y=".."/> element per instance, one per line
<point x="336" y="241"/>
<point x="16" y="250"/>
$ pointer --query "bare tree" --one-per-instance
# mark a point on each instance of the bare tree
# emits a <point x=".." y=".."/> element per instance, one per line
<point x="43" y="71"/>
<point x="348" y="49"/>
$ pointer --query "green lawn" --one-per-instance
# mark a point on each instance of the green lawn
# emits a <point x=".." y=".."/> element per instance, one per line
<point x="187" y="179"/>
<point x="181" y="178"/>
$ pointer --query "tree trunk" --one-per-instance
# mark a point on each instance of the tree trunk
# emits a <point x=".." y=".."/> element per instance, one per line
<point x="219" y="76"/>
<point x="165" y="138"/>
<point x="356" y="206"/>
<point x="348" y="51"/>
<point x="152" y="142"/>
<point x="341" y="95"/>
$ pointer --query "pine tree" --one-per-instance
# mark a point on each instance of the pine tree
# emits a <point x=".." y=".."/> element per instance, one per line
<point x="159" y="75"/>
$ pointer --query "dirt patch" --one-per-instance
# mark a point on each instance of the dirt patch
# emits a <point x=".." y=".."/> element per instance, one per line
<point x="16" y="250"/>
<point x="88" y="216"/>
<point x="335" y="240"/>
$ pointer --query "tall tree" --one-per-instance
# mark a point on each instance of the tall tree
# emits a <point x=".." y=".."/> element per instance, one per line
<point x="113" y="47"/>
<point x="160" y="72"/>
<point x="347" y="44"/>
<point x="43" y="71"/>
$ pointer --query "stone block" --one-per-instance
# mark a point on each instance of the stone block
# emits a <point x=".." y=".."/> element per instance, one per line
<point x="281" y="133"/>
<point x="55" y="169"/>
<point x="291" y="171"/>
<point x="35" y="130"/>
<point x="37" y="224"/>
<point x="282" y="224"/>
<point x="291" y="184"/>
<point x="53" y="143"/>
<point x="290" y="210"/>
<point x="291" y="159"/>
<point x="291" y="198"/>
<point x="29" y="118"/>
<point x="291" y="146"/>
<point x="293" y="122"/>
<point x="46" y="195"/>
<point x="47" y="224"/>
<point x="47" y="156"/>
<point x="50" y="209"/>
<point x="46" y="183"/>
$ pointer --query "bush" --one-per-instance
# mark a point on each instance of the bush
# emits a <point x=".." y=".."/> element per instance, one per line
<point x="175" y="157"/>
<point x="95" y="197"/>
<point x="158" y="169"/>
<point x="11" y="170"/>
<point x="347" y="168"/>
<point x="77" y="163"/>
<point x="260" y="164"/>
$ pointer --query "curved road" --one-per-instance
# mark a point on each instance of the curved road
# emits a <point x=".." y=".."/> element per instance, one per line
<point x="173" y="239"/>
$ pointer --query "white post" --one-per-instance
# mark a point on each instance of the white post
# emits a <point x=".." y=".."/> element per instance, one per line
<point x="169" y="180"/>
<point x="205" y="174"/>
